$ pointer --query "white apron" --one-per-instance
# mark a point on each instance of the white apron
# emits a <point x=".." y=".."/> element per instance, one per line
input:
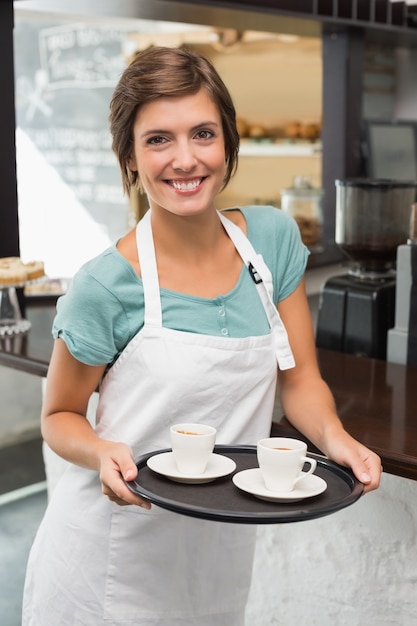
<point x="94" y="562"/>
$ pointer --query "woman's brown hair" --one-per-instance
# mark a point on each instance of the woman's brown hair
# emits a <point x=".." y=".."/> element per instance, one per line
<point x="163" y="72"/>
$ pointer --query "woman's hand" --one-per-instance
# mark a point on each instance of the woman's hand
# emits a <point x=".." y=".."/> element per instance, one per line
<point x="365" y="464"/>
<point x="67" y="431"/>
<point x="116" y="465"/>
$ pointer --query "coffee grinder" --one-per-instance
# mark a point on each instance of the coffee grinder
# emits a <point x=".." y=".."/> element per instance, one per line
<point x="357" y="309"/>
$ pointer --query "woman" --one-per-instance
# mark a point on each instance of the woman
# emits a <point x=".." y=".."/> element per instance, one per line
<point x="174" y="324"/>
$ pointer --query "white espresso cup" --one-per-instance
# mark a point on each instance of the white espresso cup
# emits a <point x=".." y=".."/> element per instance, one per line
<point x="281" y="461"/>
<point x="192" y="446"/>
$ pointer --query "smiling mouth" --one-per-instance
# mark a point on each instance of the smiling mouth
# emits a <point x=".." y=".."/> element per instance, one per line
<point x="185" y="185"/>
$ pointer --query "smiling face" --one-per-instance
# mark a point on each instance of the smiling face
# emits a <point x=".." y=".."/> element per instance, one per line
<point x="179" y="153"/>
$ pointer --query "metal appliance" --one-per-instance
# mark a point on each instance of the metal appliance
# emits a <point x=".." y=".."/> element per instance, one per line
<point x="402" y="338"/>
<point x="356" y="310"/>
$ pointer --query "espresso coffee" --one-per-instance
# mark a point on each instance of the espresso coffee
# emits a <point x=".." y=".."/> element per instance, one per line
<point x="187" y="432"/>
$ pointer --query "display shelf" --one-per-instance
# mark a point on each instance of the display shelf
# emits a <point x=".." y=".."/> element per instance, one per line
<point x="12" y="322"/>
<point x="265" y="149"/>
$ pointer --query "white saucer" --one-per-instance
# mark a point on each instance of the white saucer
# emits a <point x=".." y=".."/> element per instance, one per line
<point x="217" y="467"/>
<point x="252" y="482"/>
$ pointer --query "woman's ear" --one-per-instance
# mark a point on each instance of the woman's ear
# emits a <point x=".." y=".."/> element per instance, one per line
<point x="131" y="162"/>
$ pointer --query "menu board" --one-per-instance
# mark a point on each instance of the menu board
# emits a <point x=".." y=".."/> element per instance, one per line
<point x="65" y="75"/>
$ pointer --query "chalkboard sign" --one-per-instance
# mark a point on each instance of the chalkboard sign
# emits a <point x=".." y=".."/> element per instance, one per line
<point x="65" y="75"/>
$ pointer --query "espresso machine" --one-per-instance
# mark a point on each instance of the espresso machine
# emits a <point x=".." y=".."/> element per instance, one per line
<point x="357" y="309"/>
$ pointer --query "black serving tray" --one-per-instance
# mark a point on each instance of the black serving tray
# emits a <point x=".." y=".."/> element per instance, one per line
<point x="222" y="501"/>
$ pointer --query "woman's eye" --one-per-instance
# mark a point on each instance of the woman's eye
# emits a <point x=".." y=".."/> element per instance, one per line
<point x="156" y="140"/>
<point x="204" y="134"/>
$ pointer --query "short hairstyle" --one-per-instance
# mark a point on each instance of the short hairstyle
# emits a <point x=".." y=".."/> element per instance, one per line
<point x="161" y="72"/>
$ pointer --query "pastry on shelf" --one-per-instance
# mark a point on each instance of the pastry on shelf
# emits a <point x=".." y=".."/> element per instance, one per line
<point x="14" y="272"/>
<point x="35" y="269"/>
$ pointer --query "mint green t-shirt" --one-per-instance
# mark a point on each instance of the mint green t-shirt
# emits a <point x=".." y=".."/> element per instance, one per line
<point x="103" y="308"/>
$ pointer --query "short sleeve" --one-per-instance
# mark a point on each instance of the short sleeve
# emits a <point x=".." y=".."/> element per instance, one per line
<point x="276" y="235"/>
<point x="92" y="320"/>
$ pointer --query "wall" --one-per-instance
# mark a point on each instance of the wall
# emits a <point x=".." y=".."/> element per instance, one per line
<point x="20" y="406"/>
<point x="355" y="567"/>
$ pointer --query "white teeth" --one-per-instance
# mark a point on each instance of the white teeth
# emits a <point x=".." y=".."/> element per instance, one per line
<point x="186" y="186"/>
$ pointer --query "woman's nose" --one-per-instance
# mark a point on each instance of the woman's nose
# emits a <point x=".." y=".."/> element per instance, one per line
<point x="184" y="157"/>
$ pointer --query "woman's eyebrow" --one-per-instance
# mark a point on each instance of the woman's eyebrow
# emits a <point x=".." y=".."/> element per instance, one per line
<point x="162" y="131"/>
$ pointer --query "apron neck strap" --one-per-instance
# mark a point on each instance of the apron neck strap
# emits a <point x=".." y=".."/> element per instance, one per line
<point x="257" y="267"/>
<point x="149" y="271"/>
<point x="262" y="278"/>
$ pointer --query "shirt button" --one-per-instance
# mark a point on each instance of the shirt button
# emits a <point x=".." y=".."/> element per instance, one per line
<point x="222" y="312"/>
<point x="225" y="331"/>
